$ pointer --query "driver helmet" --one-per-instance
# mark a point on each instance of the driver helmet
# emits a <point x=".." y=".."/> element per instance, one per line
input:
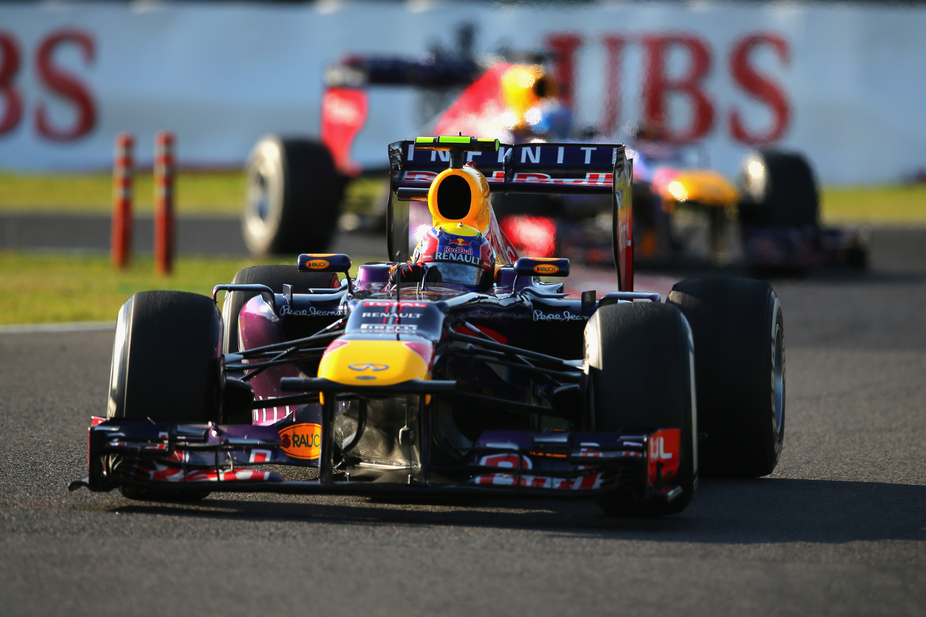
<point x="457" y="255"/>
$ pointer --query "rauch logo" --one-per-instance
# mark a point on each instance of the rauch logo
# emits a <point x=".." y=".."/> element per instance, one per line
<point x="302" y="441"/>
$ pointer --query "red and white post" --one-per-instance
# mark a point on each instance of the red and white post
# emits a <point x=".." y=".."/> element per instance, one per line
<point x="164" y="202"/>
<point x="123" y="174"/>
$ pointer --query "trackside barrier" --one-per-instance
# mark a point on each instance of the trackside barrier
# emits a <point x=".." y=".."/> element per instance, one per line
<point x="123" y="173"/>
<point x="164" y="202"/>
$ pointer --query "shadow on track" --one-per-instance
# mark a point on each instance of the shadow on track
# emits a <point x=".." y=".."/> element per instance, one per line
<point x="761" y="511"/>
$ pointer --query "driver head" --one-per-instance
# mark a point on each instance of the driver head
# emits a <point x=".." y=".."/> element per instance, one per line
<point x="457" y="255"/>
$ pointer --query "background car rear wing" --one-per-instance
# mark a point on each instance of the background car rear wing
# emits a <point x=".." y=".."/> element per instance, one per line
<point x="547" y="168"/>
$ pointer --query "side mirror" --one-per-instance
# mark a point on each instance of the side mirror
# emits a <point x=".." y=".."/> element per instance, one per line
<point x="542" y="266"/>
<point x="326" y="262"/>
<point x="323" y="262"/>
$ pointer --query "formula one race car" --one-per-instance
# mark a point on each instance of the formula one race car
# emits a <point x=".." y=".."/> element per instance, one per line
<point x="454" y="367"/>
<point x="508" y="100"/>
<point x="296" y="184"/>
<point x="775" y="201"/>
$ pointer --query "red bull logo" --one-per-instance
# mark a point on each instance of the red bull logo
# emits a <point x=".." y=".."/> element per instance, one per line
<point x="464" y="250"/>
<point x="457" y="245"/>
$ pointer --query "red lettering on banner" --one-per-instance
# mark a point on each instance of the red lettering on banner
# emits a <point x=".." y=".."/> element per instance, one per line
<point x="614" y="46"/>
<point x="66" y="86"/>
<point x="12" y="99"/>
<point x="759" y="87"/>
<point x="659" y="85"/>
<point x="564" y="47"/>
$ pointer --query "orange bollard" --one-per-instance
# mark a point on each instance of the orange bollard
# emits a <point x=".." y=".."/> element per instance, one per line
<point x="164" y="202"/>
<point x="123" y="172"/>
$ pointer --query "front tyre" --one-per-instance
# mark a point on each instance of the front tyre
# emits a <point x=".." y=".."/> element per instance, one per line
<point x="739" y="334"/>
<point x="165" y="359"/>
<point x="641" y="376"/>
<point x="165" y="366"/>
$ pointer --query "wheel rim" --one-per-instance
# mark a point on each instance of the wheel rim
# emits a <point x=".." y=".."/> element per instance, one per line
<point x="258" y="197"/>
<point x="778" y="383"/>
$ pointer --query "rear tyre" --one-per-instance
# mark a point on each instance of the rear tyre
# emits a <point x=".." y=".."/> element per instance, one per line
<point x="739" y="334"/>
<point x="165" y="366"/>
<point x="293" y="197"/>
<point x="778" y="189"/>
<point x="273" y="277"/>
<point x="641" y="376"/>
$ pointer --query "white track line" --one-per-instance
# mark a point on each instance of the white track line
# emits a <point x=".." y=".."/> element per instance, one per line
<point x="77" y="326"/>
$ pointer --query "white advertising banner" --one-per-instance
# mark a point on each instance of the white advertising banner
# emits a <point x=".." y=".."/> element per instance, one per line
<point x="845" y="84"/>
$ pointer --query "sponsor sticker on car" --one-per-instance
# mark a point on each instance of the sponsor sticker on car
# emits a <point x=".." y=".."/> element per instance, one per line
<point x="546" y="269"/>
<point x="302" y="441"/>
<point x="664" y="456"/>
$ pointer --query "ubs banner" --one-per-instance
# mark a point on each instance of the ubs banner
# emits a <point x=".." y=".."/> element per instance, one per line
<point x="846" y="84"/>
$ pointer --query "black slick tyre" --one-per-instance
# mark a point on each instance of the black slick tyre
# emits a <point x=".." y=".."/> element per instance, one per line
<point x="778" y="189"/>
<point x="273" y="277"/>
<point x="739" y="334"/>
<point x="165" y="358"/>
<point x="165" y="366"/>
<point x="641" y="372"/>
<point x="293" y="197"/>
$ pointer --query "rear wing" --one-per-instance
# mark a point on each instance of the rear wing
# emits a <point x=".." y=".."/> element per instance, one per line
<point x="532" y="168"/>
<point x="345" y="101"/>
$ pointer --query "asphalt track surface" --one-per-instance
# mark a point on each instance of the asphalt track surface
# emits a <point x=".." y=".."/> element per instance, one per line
<point x="838" y="529"/>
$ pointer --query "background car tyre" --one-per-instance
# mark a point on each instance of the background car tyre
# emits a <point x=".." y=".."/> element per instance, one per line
<point x="641" y="372"/>
<point x="165" y="366"/>
<point x="739" y="334"/>
<point x="293" y="197"/>
<point x="778" y="189"/>
<point x="273" y="277"/>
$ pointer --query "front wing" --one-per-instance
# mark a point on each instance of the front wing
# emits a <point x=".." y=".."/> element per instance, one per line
<point x="168" y="458"/>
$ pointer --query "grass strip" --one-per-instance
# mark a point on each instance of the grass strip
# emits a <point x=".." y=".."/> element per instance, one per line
<point x="881" y="205"/>
<point x="196" y="193"/>
<point x="220" y="193"/>
<point x="223" y="193"/>
<point x="63" y="287"/>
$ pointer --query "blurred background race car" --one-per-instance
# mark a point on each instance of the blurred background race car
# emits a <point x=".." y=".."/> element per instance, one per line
<point x="768" y="218"/>
<point x="685" y="212"/>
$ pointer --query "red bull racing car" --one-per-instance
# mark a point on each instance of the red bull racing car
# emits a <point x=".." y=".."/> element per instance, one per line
<point x="455" y="367"/>
<point x="686" y="213"/>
